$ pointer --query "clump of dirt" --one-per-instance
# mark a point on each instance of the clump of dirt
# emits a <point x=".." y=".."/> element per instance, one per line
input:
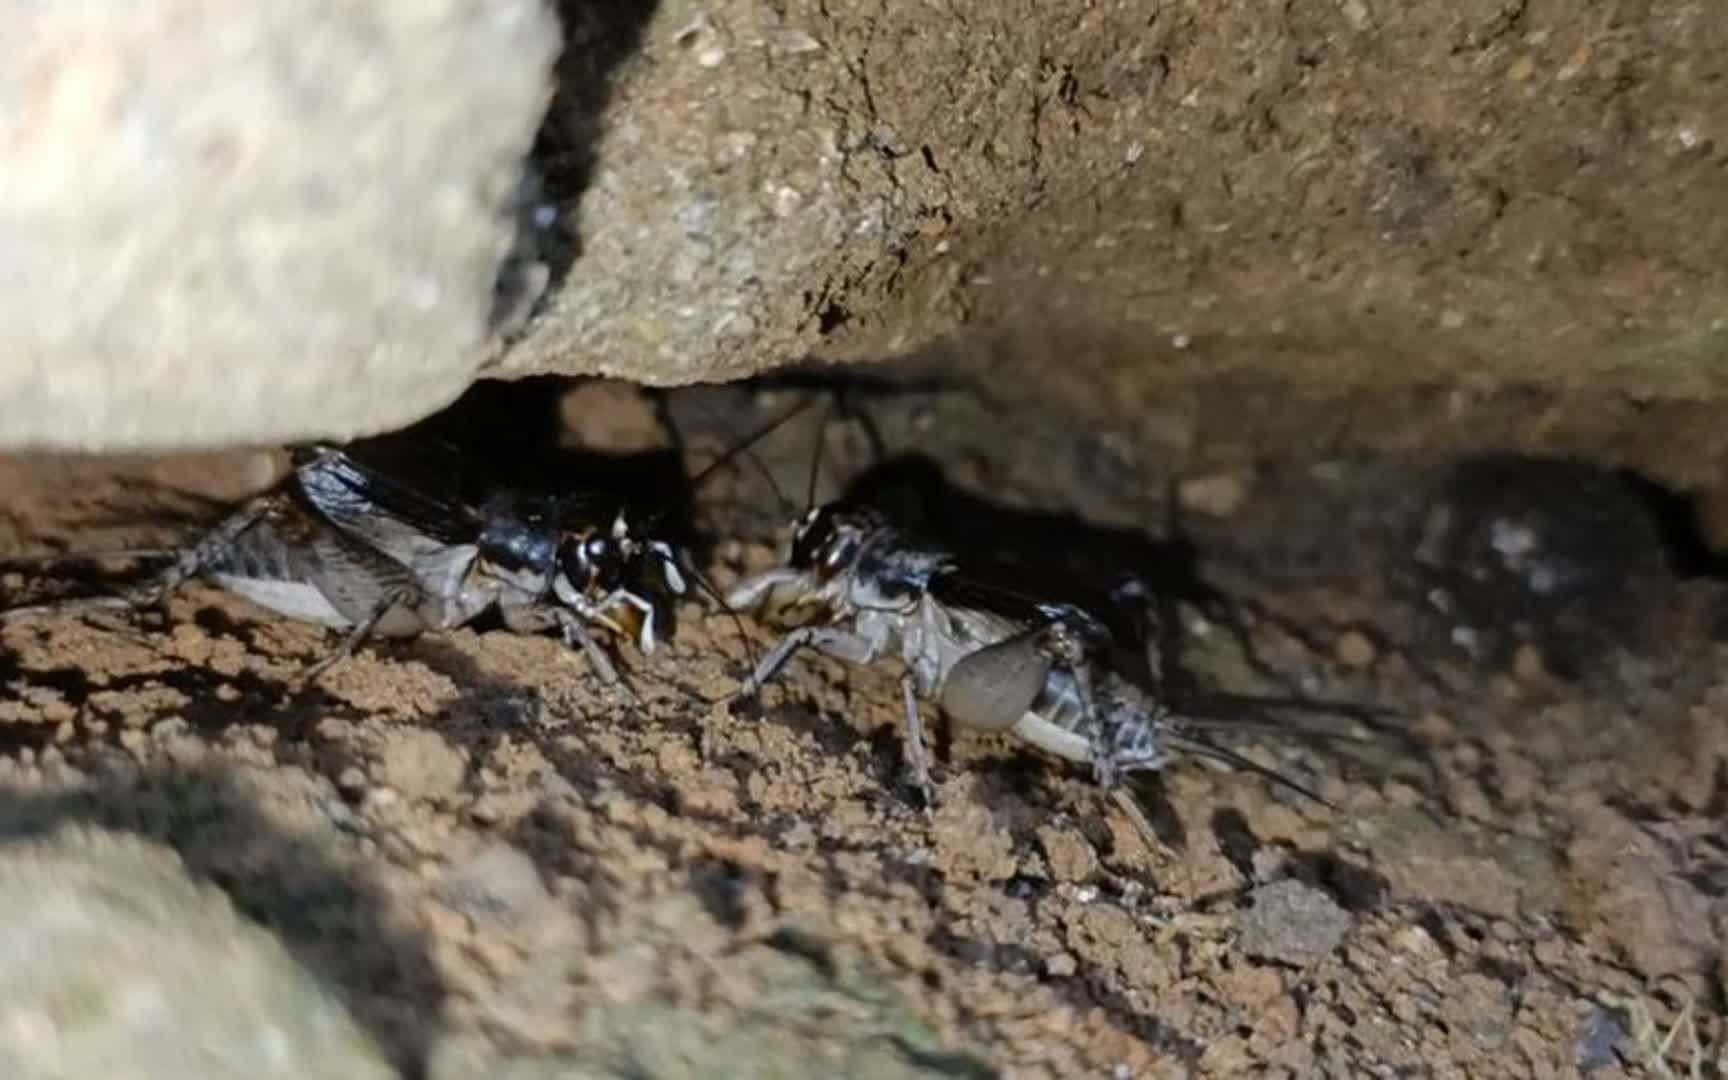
<point x="1521" y="871"/>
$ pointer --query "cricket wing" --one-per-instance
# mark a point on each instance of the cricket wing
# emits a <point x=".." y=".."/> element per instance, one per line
<point x="998" y="611"/>
<point x="403" y="521"/>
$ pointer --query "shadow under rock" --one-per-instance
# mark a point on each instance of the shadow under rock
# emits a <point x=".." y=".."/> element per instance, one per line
<point x="598" y="36"/>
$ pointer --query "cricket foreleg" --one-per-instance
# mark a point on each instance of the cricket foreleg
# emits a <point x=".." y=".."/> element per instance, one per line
<point x="646" y="638"/>
<point x="532" y="617"/>
<point x="576" y="635"/>
<point x="771" y="664"/>
<point x="840" y="644"/>
<point x="750" y="594"/>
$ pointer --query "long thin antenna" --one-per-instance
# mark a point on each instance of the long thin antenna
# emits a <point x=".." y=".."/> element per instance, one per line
<point x="719" y="598"/>
<point x="29" y="558"/>
<point x="732" y="452"/>
<point x="1201" y="748"/>
<point x="815" y="465"/>
<point x="1233" y="725"/>
<point x="786" y="505"/>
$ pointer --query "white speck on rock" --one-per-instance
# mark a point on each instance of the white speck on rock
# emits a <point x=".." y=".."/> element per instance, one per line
<point x="786" y="200"/>
<point x="793" y="42"/>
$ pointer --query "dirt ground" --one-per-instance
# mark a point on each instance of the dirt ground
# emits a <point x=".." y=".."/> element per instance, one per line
<point x="503" y="869"/>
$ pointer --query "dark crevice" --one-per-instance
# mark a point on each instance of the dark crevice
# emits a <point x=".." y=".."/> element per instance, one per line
<point x="599" y="36"/>
<point x="1689" y="554"/>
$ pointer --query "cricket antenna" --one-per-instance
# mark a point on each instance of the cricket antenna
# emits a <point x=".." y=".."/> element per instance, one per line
<point x="68" y="555"/>
<point x="786" y="504"/>
<point x="749" y="441"/>
<point x="1204" y="748"/>
<point x="815" y="466"/>
<point x="719" y="599"/>
<point x="731" y="454"/>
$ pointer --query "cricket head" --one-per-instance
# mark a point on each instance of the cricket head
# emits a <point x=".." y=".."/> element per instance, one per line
<point x="828" y="540"/>
<point x="826" y="544"/>
<point x="599" y="561"/>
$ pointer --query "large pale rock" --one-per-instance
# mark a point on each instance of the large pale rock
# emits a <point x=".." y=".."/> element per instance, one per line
<point x="240" y="223"/>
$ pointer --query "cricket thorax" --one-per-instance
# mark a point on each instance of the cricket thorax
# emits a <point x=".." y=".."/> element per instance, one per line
<point x="518" y="541"/>
<point x="855" y="548"/>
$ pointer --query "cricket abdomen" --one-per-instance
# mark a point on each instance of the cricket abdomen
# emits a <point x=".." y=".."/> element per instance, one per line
<point x="294" y="599"/>
<point x="1055" y="722"/>
<point x="294" y="567"/>
<point x="263" y="565"/>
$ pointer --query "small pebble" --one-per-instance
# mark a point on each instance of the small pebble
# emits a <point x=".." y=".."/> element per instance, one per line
<point x="1528" y="665"/>
<point x="1293" y="923"/>
<point x="1071" y="857"/>
<point x="1354" y="649"/>
<point x="1219" y="495"/>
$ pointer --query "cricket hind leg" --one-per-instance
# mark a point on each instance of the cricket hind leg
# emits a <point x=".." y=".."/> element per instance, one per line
<point x="358" y="582"/>
<point x="1196" y="711"/>
<point x="190" y="562"/>
<point x="357" y="636"/>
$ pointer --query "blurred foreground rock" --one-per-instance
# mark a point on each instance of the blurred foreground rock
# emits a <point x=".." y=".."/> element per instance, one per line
<point x="114" y="964"/>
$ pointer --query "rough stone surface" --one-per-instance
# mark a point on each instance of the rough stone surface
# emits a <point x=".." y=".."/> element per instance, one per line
<point x="232" y="224"/>
<point x="1338" y="201"/>
<point x="1343" y="193"/>
<point x="114" y="964"/>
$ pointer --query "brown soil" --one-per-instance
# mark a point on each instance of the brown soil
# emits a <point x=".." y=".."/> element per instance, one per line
<point x="1524" y="876"/>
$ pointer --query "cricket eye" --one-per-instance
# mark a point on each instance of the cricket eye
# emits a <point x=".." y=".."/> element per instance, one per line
<point x="602" y="560"/>
<point x="812" y="539"/>
<point x="839" y="551"/>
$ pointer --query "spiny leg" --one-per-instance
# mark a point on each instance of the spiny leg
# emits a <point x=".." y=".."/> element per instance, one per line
<point x="362" y="630"/>
<point x="576" y="634"/>
<point x="839" y="643"/>
<point x="916" y="756"/>
<point x="1065" y="645"/>
<point x="1126" y="741"/>
<point x="771" y="664"/>
<point x="189" y="563"/>
<point x="598" y="612"/>
<point x="1136" y="814"/>
<point x="523" y="614"/>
